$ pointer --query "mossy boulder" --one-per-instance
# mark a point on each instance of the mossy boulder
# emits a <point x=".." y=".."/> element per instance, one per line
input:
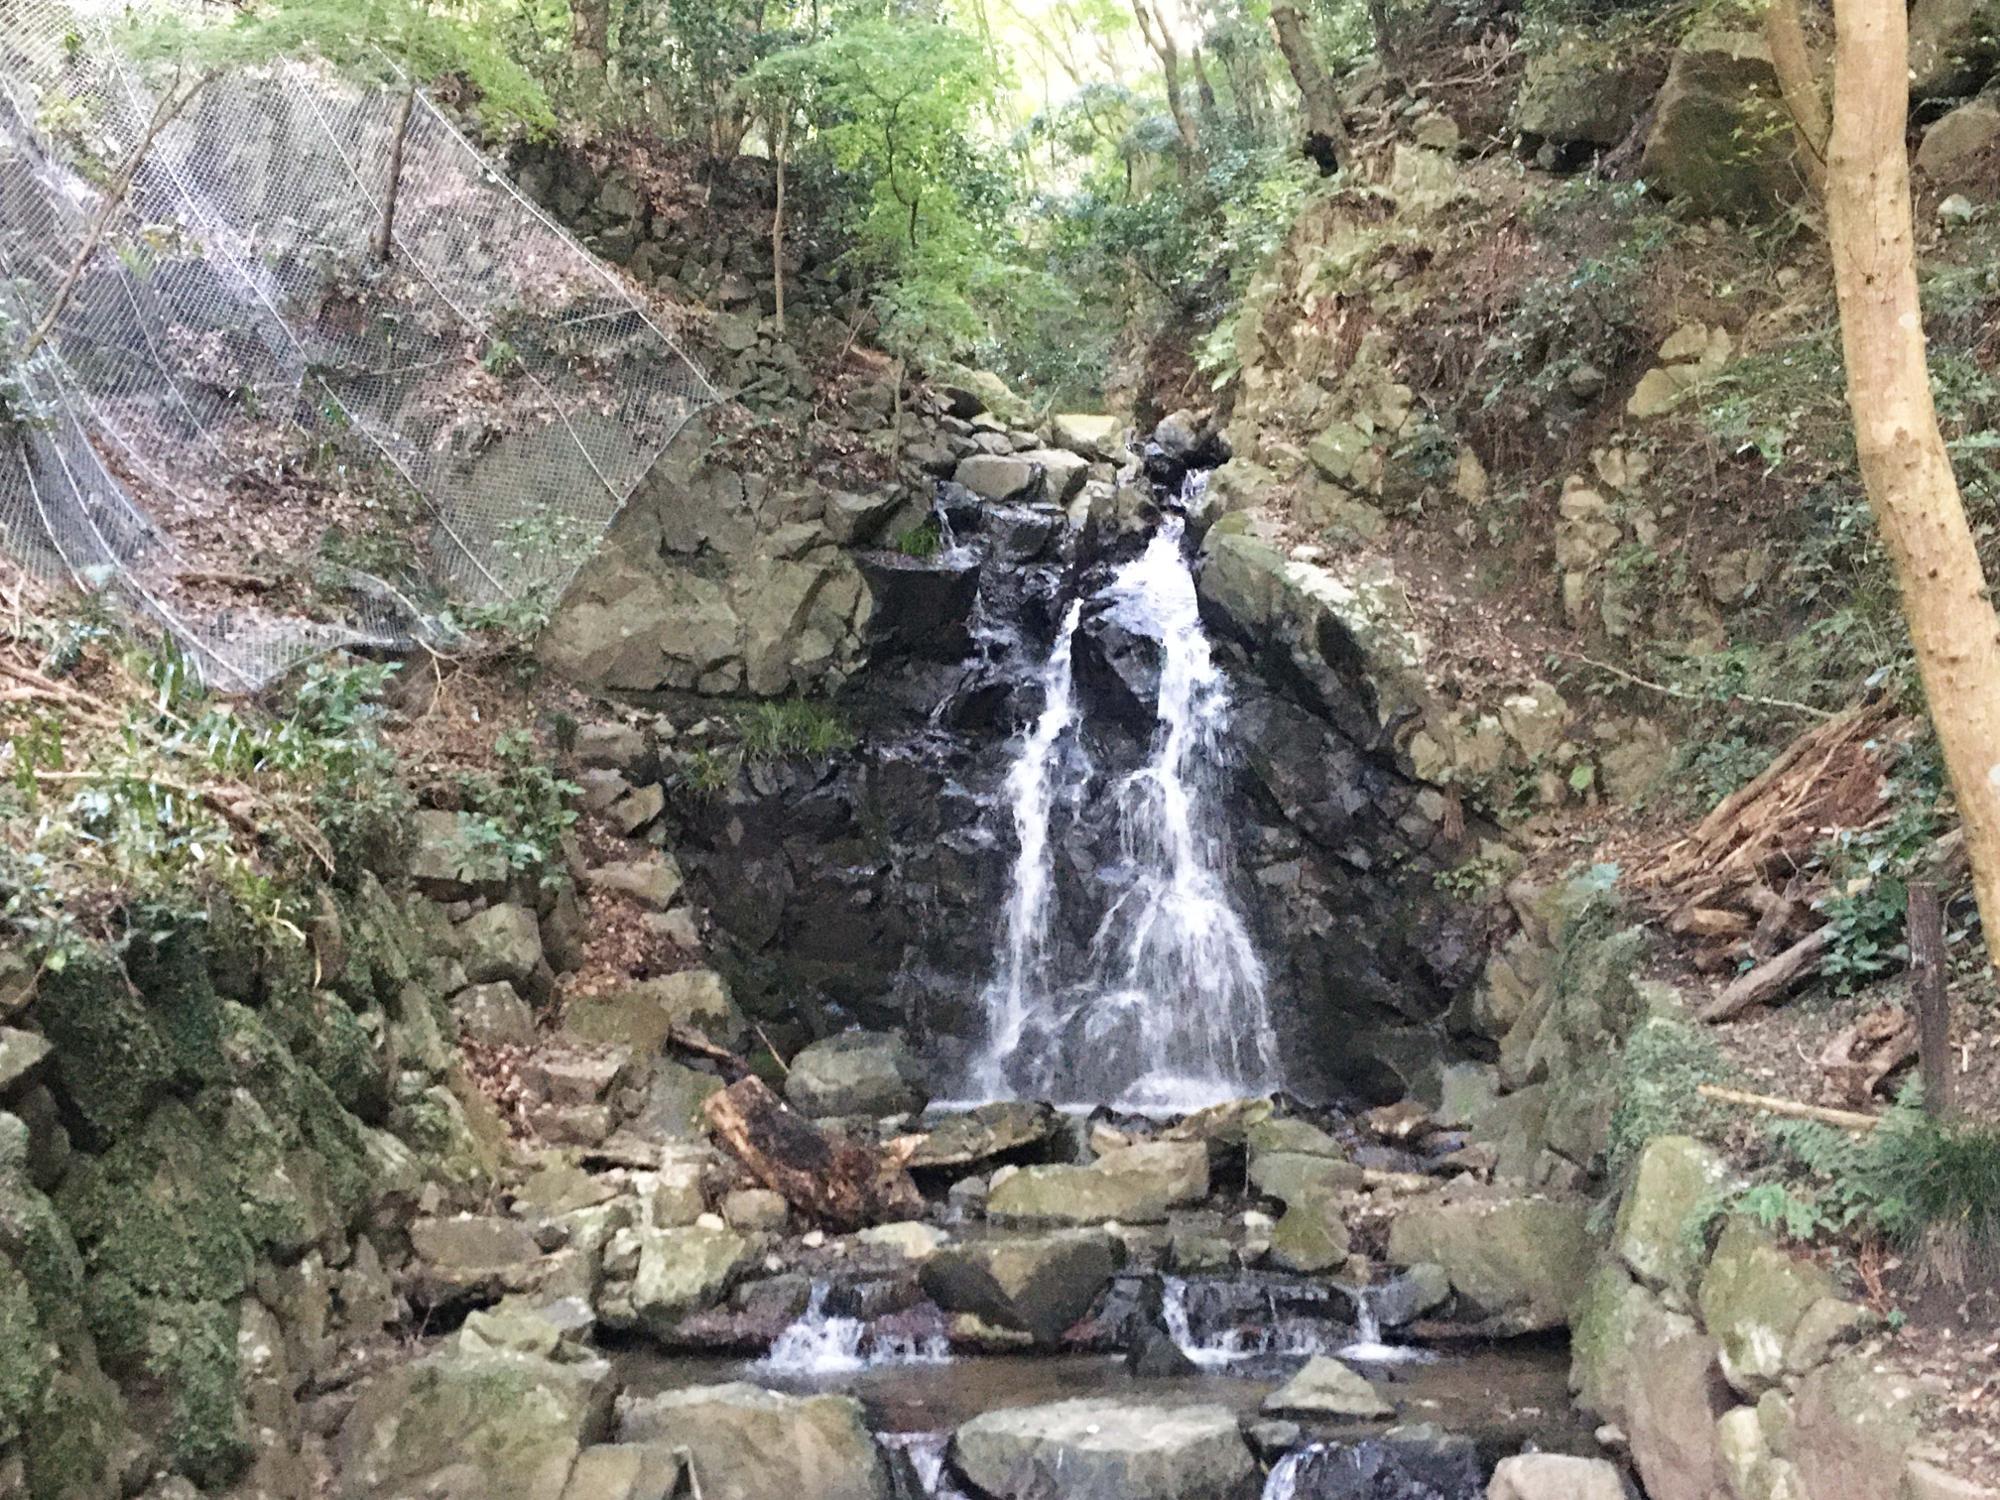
<point x="1721" y="141"/>
<point x="468" y="1425"/>
<point x="111" y="1064"/>
<point x="1658" y="1235"/>
<point x="1132" y="1185"/>
<point x="1954" y="46"/>
<point x="1602" y="1344"/>
<point x="747" y="1442"/>
<point x="1520" y="1260"/>
<point x="1752" y="1299"/>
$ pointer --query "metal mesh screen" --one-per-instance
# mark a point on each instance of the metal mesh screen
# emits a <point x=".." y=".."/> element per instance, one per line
<point x="244" y="422"/>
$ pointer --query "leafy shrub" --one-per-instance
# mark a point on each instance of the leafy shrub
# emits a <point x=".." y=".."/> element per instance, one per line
<point x="523" y="813"/>
<point x="1663" y="1063"/>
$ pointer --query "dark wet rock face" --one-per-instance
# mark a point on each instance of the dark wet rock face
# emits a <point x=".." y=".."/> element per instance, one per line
<point x="867" y="886"/>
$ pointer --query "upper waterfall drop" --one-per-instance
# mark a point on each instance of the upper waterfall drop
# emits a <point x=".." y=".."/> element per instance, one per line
<point x="1166" y="1006"/>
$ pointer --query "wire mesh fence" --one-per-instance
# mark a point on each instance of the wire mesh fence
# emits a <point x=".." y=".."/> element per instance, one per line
<point x="265" y="436"/>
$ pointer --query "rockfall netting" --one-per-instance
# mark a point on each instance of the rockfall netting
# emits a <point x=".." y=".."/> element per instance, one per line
<point x="246" y="424"/>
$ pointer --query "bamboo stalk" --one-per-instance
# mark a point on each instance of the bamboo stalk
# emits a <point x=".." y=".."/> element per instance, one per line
<point x="1845" y="1119"/>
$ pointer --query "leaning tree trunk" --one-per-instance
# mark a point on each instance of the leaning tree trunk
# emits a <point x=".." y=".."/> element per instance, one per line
<point x="1326" y="133"/>
<point x="590" y="42"/>
<point x="1903" y="460"/>
<point x="781" y="130"/>
<point x="171" y="105"/>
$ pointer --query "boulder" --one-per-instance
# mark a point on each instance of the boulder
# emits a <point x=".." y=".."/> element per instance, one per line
<point x="858" y="520"/>
<point x="1676" y="1395"/>
<point x="756" y="1211"/>
<point x="1327" y="1388"/>
<point x="494" y="1014"/>
<point x="626" y="1471"/>
<point x="473" y="1255"/>
<point x="1583" y="92"/>
<point x="1721" y="140"/>
<point x="461" y="1425"/>
<point x="653" y="881"/>
<point x="1063" y="472"/>
<point x="1133" y="1185"/>
<point x="606" y="745"/>
<point x="1520" y="1259"/>
<point x="1958" y="150"/>
<point x="1954" y="45"/>
<point x="1106" y="1449"/>
<point x="1037" y="1284"/>
<point x="1311" y="1237"/>
<point x="1405" y="1298"/>
<point x="683" y="1271"/>
<point x="1852" y="1427"/>
<point x="503" y="942"/>
<point x="994" y="476"/>
<point x="1099" y="438"/>
<point x="1752" y="1298"/>
<point x="1291" y="1177"/>
<point x="1604" y="1342"/>
<point x="1555" y="1476"/>
<point x="1292" y="1137"/>
<point x="450" y="860"/>
<point x="744" y="1443"/>
<point x="21" y="1056"/>
<point x="989" y="1133"/>
<point x="641" y="1014"/>
<point x="870" y="1073"/>
<point x="1676" y="1176"/>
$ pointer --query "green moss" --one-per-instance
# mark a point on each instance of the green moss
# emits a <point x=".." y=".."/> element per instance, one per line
<point x="109" y="1059"/>
<point x="160" y="1215"/>
<point x="192" y="1354"/>
<point x="171" y="971"/>
<point x="78" y="1439"/>
<point x="24" y="1353"/>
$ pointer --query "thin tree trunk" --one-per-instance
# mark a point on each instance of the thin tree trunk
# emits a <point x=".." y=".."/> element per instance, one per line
<point x="385" y="229"/>
<point x="1798" y="83"/>
<point x="1154" y="28"/>
<point x="1929" y="997"/>
<point x="1326" y="133"/>
<point x="781" y="129"/>
<point x="169" y="109"/>
<point x="1903" y="460"/>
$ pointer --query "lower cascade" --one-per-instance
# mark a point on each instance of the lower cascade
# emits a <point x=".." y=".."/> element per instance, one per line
<point x="1165" y="1006"/>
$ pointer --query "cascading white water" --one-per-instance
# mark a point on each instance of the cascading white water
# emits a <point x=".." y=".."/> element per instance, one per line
<point x="1018" y="991"/>
<point x="1170" y="1011"/>
<point x="820" y="1344"/>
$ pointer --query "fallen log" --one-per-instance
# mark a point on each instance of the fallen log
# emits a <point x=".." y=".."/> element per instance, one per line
<point x="1772" y="979"/>
<point x="842" y="1183"/>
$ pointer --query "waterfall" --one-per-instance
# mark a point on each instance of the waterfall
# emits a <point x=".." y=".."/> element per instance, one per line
<point x="1169" y="1011"/>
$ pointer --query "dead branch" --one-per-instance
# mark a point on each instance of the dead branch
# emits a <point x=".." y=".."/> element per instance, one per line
<point x="1773" y="980"/>
<point x="843" y="1183"/>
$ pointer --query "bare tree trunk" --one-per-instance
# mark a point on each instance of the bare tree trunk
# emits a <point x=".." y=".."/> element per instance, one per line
<point x="781" y="130"/>
<point x="590" y="41"/>
<point x="1903" y="460"/>
<point x="1798" y="82"/>
<point x="385" y="229"/>
<point x="1326" y="133"/>
<point x="169" y="109"/>
<point x="1153" y="26"/>
<point x="1211" y="117"/>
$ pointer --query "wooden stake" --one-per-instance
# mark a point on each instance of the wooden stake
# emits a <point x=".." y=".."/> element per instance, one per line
<point x="1928" y="997"/>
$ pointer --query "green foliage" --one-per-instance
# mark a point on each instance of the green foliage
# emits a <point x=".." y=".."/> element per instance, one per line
<point x="1871" y="869"/>
<point x="1708" y="769"/>
<point x="523" y="814"/>
<point x="895" y="103"/>
<point x="383" y="42"/>
<point x="925" y="539"/>
<point x="1660" y="1067"/>
<point x="779" y="729"/>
